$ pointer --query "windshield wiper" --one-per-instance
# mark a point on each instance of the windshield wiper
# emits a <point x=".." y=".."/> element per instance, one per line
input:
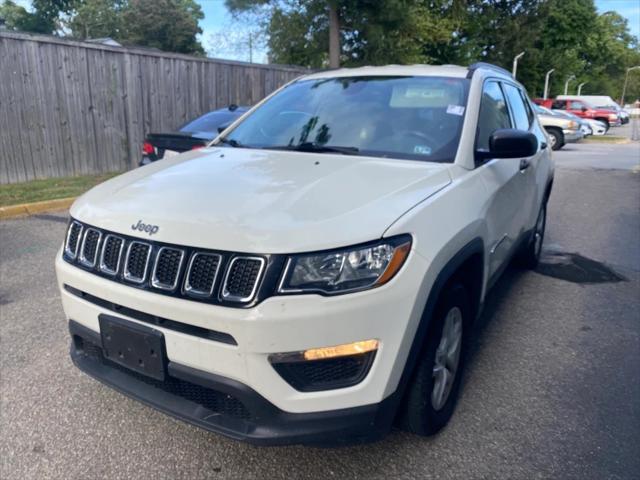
<point x="316" y="148"/>
<point x="231" y="142"/>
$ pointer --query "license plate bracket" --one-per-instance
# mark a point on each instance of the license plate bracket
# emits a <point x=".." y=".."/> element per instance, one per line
<point x="136" y="347"/>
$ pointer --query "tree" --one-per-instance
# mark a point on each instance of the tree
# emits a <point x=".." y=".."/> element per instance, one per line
<point x="170" y="25"/>
<point x="300" y="13"/>
<point x="97" y="18"/>
<point x="43" y="19"/>
<point x="238" y="42"/>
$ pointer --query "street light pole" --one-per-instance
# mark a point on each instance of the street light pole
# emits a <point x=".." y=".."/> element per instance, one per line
<point x="580" y="87"/>
<point x="515" y="63"/>
<point x="566" y="84"/>
<point x="546" y="82"/>
<point x="626" y="79"/>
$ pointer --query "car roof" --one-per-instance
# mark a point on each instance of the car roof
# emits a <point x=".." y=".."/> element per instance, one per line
<point x="417" y="70"/>
<point x="393" y="70"/>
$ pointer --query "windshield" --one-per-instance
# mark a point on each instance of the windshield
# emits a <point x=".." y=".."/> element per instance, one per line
<point x="544" y="110"/>
<point x="416" y="118"/>
<point x="211" y="121"/>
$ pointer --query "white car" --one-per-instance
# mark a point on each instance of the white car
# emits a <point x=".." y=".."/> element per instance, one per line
<point x="313" y="275"/>
<point x="597" y="127"/>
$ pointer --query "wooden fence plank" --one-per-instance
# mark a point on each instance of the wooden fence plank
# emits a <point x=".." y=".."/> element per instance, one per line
<point x="70" y="108"/>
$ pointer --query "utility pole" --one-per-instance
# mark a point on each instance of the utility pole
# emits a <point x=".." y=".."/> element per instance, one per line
<point x="626" y="79"/>
<point x="546" y="83"/>
<point x="515" y="63"/>
<point x="334" y="36"/>
<point x="580" y="87"/>
<point x="250" y="47"/>
<point x="566" y="84"/>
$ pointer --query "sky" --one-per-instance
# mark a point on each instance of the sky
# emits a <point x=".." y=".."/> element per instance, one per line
<point x="218" y="27"/>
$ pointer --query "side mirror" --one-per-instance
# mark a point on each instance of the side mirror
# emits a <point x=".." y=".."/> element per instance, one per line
<point x="510" y="143"/>
<point x="584" y="109"/>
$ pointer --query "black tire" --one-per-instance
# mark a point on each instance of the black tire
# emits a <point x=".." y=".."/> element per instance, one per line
<point x="557" y="139"/>
<point x="605" y="121"/>
<point x="419" y="414"/>
<point x="529" y="256"/>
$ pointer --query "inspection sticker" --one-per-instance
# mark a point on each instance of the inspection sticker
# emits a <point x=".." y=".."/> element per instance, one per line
<point x="455" y="110"/>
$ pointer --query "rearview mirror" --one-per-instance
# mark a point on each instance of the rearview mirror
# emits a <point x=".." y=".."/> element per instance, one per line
<point x="510" y="143"/>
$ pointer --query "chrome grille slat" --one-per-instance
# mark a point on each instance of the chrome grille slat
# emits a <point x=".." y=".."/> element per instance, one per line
<point x="242" y="278"/>
<point x="112" y="246"/>
<point x="72" y="242"/>
<point x="167" y="267"/>
<point x="90" y="247"/>
<point x="202" y="272"/>
<point x="136" y="264"/>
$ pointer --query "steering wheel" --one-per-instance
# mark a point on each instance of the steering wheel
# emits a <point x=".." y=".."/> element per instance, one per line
<point x="403" y="136"/>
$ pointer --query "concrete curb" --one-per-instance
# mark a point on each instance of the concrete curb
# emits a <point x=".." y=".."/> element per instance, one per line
<point x="26" y="209"/>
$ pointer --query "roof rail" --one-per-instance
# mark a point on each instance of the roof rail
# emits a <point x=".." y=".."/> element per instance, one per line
<point x="490" y="66"/>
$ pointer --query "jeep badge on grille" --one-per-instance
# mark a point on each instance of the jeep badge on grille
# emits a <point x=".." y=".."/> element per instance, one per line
<point x="145" y="227"/>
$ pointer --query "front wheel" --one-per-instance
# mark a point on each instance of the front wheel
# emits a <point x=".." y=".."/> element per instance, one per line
<point x="433" y="391"/>
<point x="530" y="255"/>
<point x="556" y="138"/>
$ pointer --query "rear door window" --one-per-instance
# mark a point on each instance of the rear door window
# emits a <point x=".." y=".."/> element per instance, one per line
<point x="518" y="109"/>
<point x="494" y="114"/>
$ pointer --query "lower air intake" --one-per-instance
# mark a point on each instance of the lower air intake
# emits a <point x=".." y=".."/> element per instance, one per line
<point x="326" y="374"/>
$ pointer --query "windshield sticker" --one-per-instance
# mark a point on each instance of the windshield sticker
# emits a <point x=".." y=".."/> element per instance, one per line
<point x="455" y="110"/>
<point x="422" y="150"/>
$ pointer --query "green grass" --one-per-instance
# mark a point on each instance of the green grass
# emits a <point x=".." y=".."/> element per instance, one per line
<point x="606" y="139"/>
<point x="50" y="189"/>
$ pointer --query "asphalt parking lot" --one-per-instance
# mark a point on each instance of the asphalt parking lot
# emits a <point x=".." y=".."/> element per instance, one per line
<point x="552" y="389"/>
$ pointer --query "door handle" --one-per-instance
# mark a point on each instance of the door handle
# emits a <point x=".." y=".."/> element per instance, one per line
<point x="543" y="145"/>
<point x="524" y="164"/>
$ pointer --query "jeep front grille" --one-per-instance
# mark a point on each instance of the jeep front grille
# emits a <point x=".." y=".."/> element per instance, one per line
<point x="240" y="281"/>
<point x="73" y="240"/>
<point x="196" y="274"/>
<point x="167" y="268"/>
<point x="137" y="262"/>
<point x="111" y="254"/>
<point x="89" y="247"/>
<point x="202" y="273"/>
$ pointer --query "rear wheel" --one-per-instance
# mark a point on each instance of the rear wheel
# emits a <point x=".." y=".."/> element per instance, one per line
<point x="433" y="391"/>
<point x="556" y="139"/>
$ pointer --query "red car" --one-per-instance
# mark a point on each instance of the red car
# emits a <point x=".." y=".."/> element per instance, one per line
<point x="583" y="110"/>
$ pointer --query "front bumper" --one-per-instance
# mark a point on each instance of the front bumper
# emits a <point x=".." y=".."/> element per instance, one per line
<point x="278" y="412"/>
<point x="572" y="136"/>
<point x="228" y="407"/>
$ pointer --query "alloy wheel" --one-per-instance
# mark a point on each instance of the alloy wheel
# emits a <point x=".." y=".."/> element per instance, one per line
<point x="538" y="237"/>
<point x="447" y="358"/>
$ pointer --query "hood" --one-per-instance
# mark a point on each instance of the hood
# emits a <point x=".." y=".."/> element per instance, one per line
<point x="262" y="201"/>
<point x="554" y="120"/>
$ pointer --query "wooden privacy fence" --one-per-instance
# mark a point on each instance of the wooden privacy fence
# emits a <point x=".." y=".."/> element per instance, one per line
<point x="73" y="108"/>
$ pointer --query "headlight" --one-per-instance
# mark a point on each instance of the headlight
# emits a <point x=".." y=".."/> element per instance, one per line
<point x="573" y="125"/>
<point x="346" y="270"/>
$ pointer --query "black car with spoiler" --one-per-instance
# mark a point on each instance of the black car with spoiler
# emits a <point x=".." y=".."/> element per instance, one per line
<point x="195" y="134"/>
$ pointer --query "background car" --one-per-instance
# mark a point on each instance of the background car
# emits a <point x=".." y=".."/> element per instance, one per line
<point x="561" y="130"/>
<point x="597" y="127"/>
<point x="584" y="109"/>
<point x="585" y="127"/>
<point x="195" y="134"/>
<point x="601" y="102"/>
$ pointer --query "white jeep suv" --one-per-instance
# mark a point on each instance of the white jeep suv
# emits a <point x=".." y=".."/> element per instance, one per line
<point x="312" y="275"/>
